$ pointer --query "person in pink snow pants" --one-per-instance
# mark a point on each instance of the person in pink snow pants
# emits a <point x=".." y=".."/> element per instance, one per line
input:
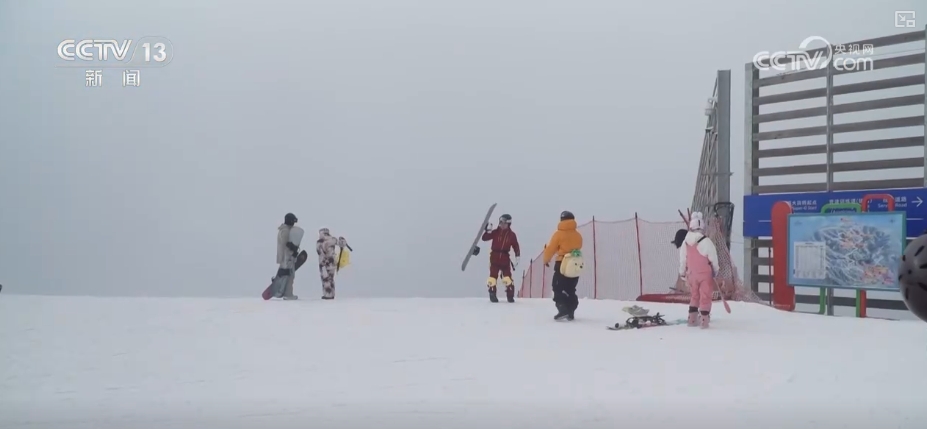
<point x="698" y="265"/>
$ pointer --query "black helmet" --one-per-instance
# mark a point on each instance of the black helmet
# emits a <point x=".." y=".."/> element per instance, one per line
<point x="506" y="218"/>
<point x="566" y="215"/>
<point x="680" y="237"/>
<point x="290" y="219"/>
<point x="912" y="275"/>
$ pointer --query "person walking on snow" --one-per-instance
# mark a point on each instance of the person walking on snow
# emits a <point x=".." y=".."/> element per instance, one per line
<point x="328" y="264"/>
<point x="286" y="255"/>
<point x="565" y="240"/>
<point x="698" y="266"/>
<point x="503" y="240"/>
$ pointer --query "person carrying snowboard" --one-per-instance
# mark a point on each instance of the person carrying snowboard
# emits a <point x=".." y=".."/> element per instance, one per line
<point x="328" y="263"/>
<point x="698" y="266"/>
<point x="503" y="240"/>
<point x="565" y="240"/>
<point x="286" y="255"/>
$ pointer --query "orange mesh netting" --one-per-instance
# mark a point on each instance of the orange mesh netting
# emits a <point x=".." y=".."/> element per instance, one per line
<point x="632" y="259"/>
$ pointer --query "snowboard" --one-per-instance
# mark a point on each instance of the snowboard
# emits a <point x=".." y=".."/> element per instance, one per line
<point x="625" y="327"/>
<point x="296" y="237"/>
<point x="300" y="260"/>
<point x="474" y="249"/>
<point x="640" y="319"/>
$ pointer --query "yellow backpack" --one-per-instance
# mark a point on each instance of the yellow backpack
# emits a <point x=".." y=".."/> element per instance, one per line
<point x="344" y="259"/>
<point x="572" y="264"/>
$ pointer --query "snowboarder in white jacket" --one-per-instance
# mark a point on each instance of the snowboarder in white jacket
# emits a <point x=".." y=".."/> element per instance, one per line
<point x="328" y="264"/>
<point x="286" y="255"/>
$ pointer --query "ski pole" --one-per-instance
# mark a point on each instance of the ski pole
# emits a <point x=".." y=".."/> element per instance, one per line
<point x="727" y="308"/>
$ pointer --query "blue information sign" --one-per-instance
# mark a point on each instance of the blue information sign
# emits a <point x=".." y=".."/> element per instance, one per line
<point x="757" y="208"/>
<point x="846" y="250"/>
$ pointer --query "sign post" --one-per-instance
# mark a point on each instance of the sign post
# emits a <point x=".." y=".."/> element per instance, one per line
<point x="861" y="294"/>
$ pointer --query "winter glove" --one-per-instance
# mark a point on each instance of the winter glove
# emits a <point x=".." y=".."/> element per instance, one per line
<point x="488" y="227"/>
<point x="283" y="272"/>
<point x="515" y="264"/>
<point x="293" y="248"/>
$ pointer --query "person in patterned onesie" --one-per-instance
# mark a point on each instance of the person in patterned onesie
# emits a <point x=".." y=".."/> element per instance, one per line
<point x="503" y="240"/>
<point x="328" y="265"/>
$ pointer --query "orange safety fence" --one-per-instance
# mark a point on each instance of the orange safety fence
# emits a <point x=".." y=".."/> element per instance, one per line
<point x="634" y="259"/>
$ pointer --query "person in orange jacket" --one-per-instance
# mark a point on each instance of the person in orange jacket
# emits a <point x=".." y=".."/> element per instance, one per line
<point x="565" y="240"/>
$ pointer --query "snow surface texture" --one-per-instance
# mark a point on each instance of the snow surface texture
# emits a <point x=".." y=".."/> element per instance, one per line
<point x="107" y="363"/>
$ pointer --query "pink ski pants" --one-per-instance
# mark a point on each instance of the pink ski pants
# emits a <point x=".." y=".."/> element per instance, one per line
<point x="701" y="286"/>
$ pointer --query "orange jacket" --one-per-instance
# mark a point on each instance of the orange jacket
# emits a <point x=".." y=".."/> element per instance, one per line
<point x="565" y="240"/>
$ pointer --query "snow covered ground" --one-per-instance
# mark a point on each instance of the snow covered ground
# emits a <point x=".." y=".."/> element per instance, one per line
<point x="101" y="363"/>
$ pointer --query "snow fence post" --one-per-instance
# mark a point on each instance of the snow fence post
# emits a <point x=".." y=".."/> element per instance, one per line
<point x="531" y="279"/>
<point x="640" y="257"/>
<point x="543" y="276"/>
<point x="595" y="264"/>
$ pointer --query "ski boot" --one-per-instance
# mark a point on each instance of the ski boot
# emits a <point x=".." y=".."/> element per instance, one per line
<point x="290" y="298"/>
<point x="703" y="322"/>
<point x="510" y="293"/>
<point x="636" y="311"/>
<point x="492" y="294"/>
<point x="692" y="321"/>
<point x="562" y="313"/>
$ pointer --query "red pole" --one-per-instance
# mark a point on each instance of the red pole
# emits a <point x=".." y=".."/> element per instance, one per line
<point x="543" y="276"/>
<point x="640" y="257"/>
<point x="783" y="294"/>
<point x="595" y="264"/>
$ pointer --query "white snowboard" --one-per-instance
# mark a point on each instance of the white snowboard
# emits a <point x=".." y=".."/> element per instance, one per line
<point x="474" y="249"/>
<point x="296" y="235"/>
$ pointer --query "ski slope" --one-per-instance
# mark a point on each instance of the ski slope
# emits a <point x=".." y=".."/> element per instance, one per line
<point x="101" y="363"/>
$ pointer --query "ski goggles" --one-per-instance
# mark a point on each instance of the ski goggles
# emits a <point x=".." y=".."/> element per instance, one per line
<point x="506" y="221"/>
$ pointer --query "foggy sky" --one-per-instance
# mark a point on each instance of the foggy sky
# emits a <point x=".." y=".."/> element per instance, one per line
<point x="394" y="123"/>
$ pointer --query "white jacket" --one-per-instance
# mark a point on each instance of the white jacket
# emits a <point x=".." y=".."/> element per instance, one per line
<point x="283" y="237"/>
<point x="705" y="247"/>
